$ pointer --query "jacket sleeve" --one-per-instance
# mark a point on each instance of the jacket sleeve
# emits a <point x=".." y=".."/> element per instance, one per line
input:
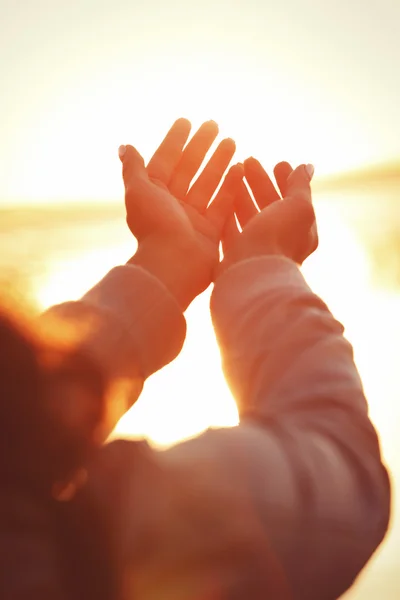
<point x="129" y="324"/>
<point x="320" y="485"/>
<point x="293" y="501"/>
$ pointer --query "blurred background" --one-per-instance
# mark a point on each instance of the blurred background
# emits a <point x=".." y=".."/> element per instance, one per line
<point x="300" y="81"/>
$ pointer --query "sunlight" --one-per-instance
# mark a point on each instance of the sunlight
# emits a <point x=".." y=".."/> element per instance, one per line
<point x="339" y="269"/>
<point x="340" y="273"/>
<point x="188" y="395"/>
<point x="71" y="148"/>
<point x="69" y="279"/>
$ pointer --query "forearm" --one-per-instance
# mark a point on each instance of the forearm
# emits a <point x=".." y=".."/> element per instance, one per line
<point x="280" y="345"/>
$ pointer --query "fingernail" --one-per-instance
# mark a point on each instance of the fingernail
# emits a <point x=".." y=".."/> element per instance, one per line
<point x="121" y="151"/>
<point x="310" y="171"/>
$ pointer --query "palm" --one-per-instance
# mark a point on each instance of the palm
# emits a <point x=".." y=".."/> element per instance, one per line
<point x="265" y="222"/>
<point x="177" y="226"/>
<point x="166" y="213"/>
<point x="159" y="199"/>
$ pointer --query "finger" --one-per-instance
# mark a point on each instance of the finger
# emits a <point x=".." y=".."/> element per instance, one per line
<point x="132" y="165"/>
<point x="298" y="195"/>
<point x="298" y="183"/>
<point x="282" y="172"/>
<point x="168" y="154"/>
<point x="138" y="210"/>
<point x="244" y="206"/>
<point x="192" y="158"/>
<point x="230" y="233"/>
<point x="223" y="204"/>
<point x="203" y="189"/>
<point x="298" y="223"/>
<point x="260" y="183"/>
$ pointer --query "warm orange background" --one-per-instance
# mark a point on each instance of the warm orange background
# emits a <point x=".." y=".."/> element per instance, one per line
<point x="302" y="81"/>
<point x="308" y="81"/>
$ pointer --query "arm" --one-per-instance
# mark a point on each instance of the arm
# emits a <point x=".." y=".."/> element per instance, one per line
<point x="132" y="326"/>
<point x="289" y="504"/>
<point x="321" y="490"/>
<point x="293" y="501"/>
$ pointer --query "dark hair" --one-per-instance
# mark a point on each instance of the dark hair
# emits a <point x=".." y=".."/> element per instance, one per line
<point x="48" y="549"/>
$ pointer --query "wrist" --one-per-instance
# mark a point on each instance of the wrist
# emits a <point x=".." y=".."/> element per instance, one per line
<point x="242" y="251"/>
<point x="167" y="263"/>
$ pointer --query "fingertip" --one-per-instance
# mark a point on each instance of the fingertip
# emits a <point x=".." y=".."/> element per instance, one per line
<point x="131" y="152"/>
<point x="183" y="124"/>
<point x="229" y="143"/>
<point x="208" y="129"/>
<point x="234" y="175"/>
<point x="282" y="173"/>
<point x="298" y="185"/>
<point x="132" y="161"/>
<point x="283" y="165"/>
<point x="121" y="152"/>
<point x="252" y="163"/>
<point x="213" y="125"/>
<point x="299" y="175"/>
<point x="310" y="171"/>
<point x="237" y="171"/>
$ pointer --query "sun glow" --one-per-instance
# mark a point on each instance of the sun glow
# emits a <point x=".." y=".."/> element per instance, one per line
<point x="70" y="149"/>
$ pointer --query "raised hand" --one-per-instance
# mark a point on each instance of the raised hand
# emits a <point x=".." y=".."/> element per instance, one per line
<point x="274" y="225"/>
<point x="177" y="229"/>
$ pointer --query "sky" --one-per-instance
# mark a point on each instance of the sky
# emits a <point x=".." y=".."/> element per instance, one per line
<point x="305" y="81"/>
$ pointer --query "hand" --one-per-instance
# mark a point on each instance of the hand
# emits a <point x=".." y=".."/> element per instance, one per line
<point x="177" y="229"/>
<point x="275" y="226"/>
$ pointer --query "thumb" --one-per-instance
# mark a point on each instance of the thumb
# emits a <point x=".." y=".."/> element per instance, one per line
<point x="132" y="164"/>
<point x="298" y="183"/>
<point x="297" y="216"/>
<point x="136" y="181"/>
<point x="298" y="228"/>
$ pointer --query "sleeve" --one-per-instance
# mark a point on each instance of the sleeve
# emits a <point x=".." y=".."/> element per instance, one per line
<point x="289" y="504"/>
<point x="129" y="324"/>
